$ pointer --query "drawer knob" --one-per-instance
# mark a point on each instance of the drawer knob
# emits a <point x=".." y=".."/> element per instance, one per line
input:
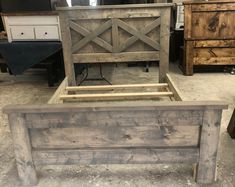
<point x="45" y="33"/>
<point x="22" y="33"/>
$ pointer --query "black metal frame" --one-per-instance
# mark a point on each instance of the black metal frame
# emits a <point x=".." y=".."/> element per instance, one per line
<point x="94" y="79"/>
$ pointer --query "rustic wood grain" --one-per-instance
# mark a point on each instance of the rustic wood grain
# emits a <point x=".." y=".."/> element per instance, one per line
<point x="215" y="43"/>
<point x="209" y="141"/>
<point x="214" y="52"/>
<point x="115" y="137"/>
<point x="214" y="61"/>
<point x="83" y="31"/>
<point x="67" y="43"/>
<point x="164" y="45"/>
<point x="55" y="99"/>
<point x="116" y="156"/>
<point x="117" y="134"/>
<point x="22" y="148"/>
<point x="104" y="35"/>
<point x="88" y="107"/>
<point x="173" y="88"/>
<point x="188" y="58"/>
<point x="116" y="57"/>
<point x="209" y="34"/>
<point x="213" y="25"/>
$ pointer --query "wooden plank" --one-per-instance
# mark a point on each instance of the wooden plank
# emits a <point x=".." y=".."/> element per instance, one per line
<point x="213" y="25"/>
<point x="188" y="58"/>
<point x="216" y="6"/>
<point x="22" y="148"/>
<point x="145" y="30"/>
<point x="115" y="137"/>
<point x="116" y="57"/>
<point x="164" y="44"/>
<point x="115" y="35"/>
<point x="87" y="107"/>
<point x="231" y="126"/>
<point x="112" y="87"/>
<point x="91" y="36"/>
<point x="214" y="52"/>
<point x="55" y="99"/>
<point x="187" y="21"/>
<point x="121" y="13"/>
<point x="214" y="61"/>
<point x="215" y="43"/>
<point x="173" y="88"/>
<point x="206" y="172"/>
<point x="115" y="118"/>
<point x="116" y="156"/>
<point x="138" y="34"/>
<point x="83" y="31"/>
<point x="67" y="44"/>
<point x="111" y="7"/>
<point x="115" y="96"/>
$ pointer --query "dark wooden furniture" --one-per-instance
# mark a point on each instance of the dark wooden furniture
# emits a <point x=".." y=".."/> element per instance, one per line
<point x="209" y="34"/>
<point x="17" y="57"/>
<point x="231" y="126"/>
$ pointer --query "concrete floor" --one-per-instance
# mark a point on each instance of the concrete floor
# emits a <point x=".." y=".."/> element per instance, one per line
<point x="32" y="88"/>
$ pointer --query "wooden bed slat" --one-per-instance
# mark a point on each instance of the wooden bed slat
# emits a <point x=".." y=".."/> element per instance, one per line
<point x="111" y="96"/>
<point x="115" y="156"/>
<point x="110" y="87"/>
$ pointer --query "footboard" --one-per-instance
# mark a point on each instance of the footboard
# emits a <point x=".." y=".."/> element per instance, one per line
<point x="175" y="132"/>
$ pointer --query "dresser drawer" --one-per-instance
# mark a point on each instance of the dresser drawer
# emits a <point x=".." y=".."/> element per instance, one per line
<point x="22" y="32"/>
<point x="209" y="20"/>
<point x="47" y="32"/>
<point x="32" y="26"/>
<point x="32" y="20"/>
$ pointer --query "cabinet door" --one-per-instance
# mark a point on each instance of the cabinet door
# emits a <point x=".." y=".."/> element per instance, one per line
<point x="22" y="32"/>
<point x="213" y="25"/>
<point x="47" y="32"/>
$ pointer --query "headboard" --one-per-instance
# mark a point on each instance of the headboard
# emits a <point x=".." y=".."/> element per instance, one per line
<point x="117" y="33"/>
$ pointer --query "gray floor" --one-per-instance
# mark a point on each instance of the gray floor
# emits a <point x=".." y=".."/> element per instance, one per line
<point x="32" y="88"/>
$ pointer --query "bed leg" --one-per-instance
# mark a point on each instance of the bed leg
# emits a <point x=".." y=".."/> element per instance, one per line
<point x="24" y="162"/>
<point x="206" y="170"/>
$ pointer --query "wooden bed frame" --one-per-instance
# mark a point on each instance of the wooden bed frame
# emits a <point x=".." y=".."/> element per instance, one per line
<point x="116" y="132"/>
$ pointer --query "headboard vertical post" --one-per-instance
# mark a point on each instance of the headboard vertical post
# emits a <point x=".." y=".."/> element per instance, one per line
<point x="67" y="48"/>
<point x="206" y="171"/>
<point x="22" y="147"/>
<point x="164" y="44"/>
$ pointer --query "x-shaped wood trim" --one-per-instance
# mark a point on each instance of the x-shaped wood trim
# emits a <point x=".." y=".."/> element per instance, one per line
<point x="138" y="35"/>
<point x="115" y="23"/>
<point x="156" y="23"/>
<point x="91" y="36"/>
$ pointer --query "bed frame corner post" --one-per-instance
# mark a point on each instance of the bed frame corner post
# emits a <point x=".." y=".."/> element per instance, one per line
<point x="67" y="47"/>
<point x="206" y="170"/>
<point x="164" y="44"/>
<point x="22" y="147"/>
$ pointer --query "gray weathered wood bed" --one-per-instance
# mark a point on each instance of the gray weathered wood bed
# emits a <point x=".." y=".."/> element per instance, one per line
<point x="115" y="130"/>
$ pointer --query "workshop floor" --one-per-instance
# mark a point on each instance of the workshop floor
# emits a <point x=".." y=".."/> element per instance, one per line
<point x="32" y="88"/>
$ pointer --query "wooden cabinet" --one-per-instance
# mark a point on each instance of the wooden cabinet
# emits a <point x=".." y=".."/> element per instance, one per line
<point x="32" y="26"/>
<point x="209" y="34"/>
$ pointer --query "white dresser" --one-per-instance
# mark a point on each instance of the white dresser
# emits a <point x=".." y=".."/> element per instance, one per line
<point x="32" y="26"/>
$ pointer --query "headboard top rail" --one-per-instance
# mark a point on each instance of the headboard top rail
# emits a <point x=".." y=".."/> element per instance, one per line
<point x="115" y="6"/>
